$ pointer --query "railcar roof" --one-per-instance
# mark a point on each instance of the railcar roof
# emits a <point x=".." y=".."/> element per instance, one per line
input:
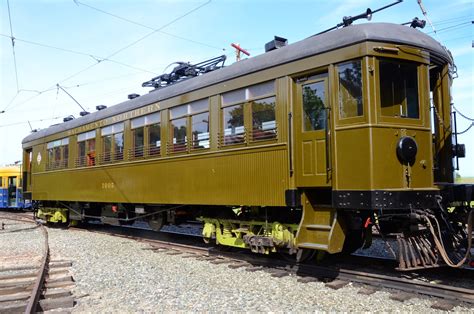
<point x="378" y="32"/>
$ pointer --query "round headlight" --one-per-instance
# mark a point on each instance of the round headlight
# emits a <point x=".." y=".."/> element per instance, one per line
<point x="407" y="149"/>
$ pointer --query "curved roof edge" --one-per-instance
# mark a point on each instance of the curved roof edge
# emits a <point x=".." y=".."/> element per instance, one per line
<point x="382" y="32"/>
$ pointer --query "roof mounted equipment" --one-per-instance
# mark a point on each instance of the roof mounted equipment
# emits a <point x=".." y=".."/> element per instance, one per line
<point x="347" y="20"/>
<point x="276" y="43"/>
<point x="416" y="22"/>
<point x="185" y="70"/>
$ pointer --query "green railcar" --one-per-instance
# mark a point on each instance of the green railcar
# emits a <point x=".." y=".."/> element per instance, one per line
<point x="305" y="147"/>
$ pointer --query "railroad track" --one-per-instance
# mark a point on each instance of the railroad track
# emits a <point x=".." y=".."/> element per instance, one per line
<point x="446" y="296"/>
<point x="32" y="287"/>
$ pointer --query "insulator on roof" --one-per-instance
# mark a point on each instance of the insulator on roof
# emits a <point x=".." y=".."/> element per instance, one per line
<point x="132" y="96"/>
<point x="100" y="107"/>
<point x="84" y="113"/>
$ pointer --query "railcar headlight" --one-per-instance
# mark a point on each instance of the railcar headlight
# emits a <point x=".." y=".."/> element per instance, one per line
<point x="407" y="149"/>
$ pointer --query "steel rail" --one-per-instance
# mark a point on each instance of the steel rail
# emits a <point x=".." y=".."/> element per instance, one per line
<point x="38" y="285"/>
<point x="403" y="284"/>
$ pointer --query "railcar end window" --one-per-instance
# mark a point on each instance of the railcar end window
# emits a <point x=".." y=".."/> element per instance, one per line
<point x="399" y="89"/>
<point x="350" y="89"/>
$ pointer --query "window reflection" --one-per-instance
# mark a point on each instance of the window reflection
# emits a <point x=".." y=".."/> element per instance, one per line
<point x="350" y="89"/>
<point x="200" y="130"/>
<point x="263" y="119"/>
<point x="234" y="130"/>
<point x="314" y="112"/>
<point x="178" y="128"/>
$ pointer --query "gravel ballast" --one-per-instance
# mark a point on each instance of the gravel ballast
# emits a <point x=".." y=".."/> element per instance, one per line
<point x="120" y="275"/>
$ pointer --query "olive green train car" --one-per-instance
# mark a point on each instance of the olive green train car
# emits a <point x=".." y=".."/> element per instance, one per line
<point x="305" y="147"/>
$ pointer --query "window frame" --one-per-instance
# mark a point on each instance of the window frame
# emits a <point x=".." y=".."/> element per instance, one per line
<point x="59" y="147"/>
<point x="114" y="155"/>
<point x="146" y="150"/>
<point x="188" y="115"/>
<point x="399" y="120"/>
<point x="248" y="139"/>
<point x="365" y="108"/>
<point x="89" y="155"/>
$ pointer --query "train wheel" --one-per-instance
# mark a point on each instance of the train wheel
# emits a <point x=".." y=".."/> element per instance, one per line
<point x="156" y="222"/>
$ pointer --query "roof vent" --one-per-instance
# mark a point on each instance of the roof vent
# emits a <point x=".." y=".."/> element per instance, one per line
<point x="100" y="107"/>
<point x="132" y="96"/>
<point x="84" y="113"/>
<point x="276" y="43"/>
<point x="68" y="118"/>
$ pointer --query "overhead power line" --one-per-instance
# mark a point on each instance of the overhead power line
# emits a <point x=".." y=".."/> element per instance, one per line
<point x="13" y="46"/>
<point x="28" y="121"/>
<point x="96" y="58"/>
<point x="53" y="87"/>
<point x="451" y="27"/>
<point x="138" y="40"/>
<point x="145" y="26"/>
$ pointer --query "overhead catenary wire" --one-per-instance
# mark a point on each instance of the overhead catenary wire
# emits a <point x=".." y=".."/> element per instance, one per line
<point x="13" y="46"/>
<point x="137" y="41"/>
<point x="28" y="121"/>
<point x="53" y="87"/>
<point x="460" y="25"/>
<point x="96" y="58"/>
<point x="77" y="2"/>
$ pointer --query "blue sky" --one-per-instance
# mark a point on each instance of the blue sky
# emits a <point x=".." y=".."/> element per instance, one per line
<point x="90" y="35"/>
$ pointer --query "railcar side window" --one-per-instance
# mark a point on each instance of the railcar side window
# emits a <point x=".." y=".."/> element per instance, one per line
<point x="350" y="89"/>
<point x="261" y="103"/>
<point x="146" y="129"/>
<point x="200" y="130"/>
<point x="58" y="154"/>
<point x="234" y="130"/>
<point x="86" y="149"/>
<point x="179" y="134"/>
<point x="194" y="117"/>
<point x="399" y="89"/>
<point x="263" y="118"/>
<point x="112" y="139"/>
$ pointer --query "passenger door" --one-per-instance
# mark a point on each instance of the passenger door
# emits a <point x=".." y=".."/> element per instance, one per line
<point x="12" y="191"/>
<point x="311" y="125"/>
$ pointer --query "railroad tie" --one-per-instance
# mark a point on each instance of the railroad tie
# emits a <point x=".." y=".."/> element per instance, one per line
<point x="443" y="305"/>
<point x="367" y="291"/>
<point x="238" y="265"/>
<point x="336" y="284"/>
<point x="307" y="279"/>
<point x="400" y="296"/>
<point x="221" y="261"/>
